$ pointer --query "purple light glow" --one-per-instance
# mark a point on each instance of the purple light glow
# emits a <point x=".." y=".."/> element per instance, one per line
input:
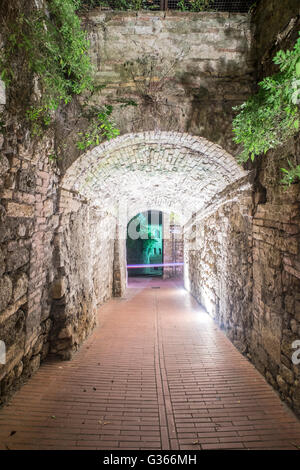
<point x="130" y="266"/>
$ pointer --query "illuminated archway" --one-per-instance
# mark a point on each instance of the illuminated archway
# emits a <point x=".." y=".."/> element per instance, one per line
<point x="168" y="171"/>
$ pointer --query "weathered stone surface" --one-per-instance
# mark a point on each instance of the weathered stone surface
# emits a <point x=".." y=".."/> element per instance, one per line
<point x="85" y="257"/>
<point x="66" y="332"/>
<point x="7" y="382"/>
<point x="287" y="374"/>
<point x="296" y="395"/>
<point x="271" y="332"/>
<point x="13" y="334"/>
<point x="2" y="262"/>
<point x="218" y="269"/>
<point x="17" y="259"/>
<point x="4" y="164"/>
<point x="34" y="364"/>
<point x="19" y="369"/>
<point x="58" y="288"/>
<point x="199" y="72"/>
<point x="20" y="286"/>
<point x="27" y="181"/>
<point x="45" y="351"/>
<point x="5" y="292"/>
<point x="14" y="209"/>
<point x="38" y="346"/>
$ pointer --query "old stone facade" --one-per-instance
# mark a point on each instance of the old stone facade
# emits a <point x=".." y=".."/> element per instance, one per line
<point x="276" y="276"/>
<point x="83" y="260"/>
<point x="62" y="231"/>
<point x="218" y="262"/>
<point x="186" y="71"/>
<point x="242" y="261"/>
<point x="28" y="223"/>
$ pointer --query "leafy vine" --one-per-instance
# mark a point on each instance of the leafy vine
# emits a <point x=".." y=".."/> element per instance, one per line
<point x="268" y="119"/>
<point x="51" y="42"/>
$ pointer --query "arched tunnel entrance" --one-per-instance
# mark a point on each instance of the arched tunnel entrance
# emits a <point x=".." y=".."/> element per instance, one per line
<point x="157" y="372"/>
<point x="186" y="178"/>
<point x="159" y="171"/>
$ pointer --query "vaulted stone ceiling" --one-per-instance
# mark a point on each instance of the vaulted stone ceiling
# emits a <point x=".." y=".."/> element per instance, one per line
<point x="154" y="170"/>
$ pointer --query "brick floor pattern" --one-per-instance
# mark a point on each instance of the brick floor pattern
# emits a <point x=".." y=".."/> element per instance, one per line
<point x="157" y="373"/>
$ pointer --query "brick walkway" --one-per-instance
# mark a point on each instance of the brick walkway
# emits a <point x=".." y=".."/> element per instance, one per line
<point x="156" y="374"/>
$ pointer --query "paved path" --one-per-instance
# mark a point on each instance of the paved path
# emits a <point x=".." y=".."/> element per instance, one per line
<point x="156" y="374"/>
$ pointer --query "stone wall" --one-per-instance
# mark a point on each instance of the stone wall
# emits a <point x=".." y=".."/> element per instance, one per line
<point x="84" y="261"/>
<point x="31" y="222"/>
<point x="56" y="266"/>
<point x="282" y="22"/>
<point x="184" y="70"/>
<point x="276" y="274"/>
<point x="243" y="262"/>
<point x="119" y="264"/>
<point x="199" y="64"/>
<point x="218" y="263"/>
<point x="28" y="222"/>
<point x="276" y="229"/>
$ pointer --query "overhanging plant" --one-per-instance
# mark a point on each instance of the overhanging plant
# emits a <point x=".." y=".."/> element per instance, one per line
<point x="269" y="118"/>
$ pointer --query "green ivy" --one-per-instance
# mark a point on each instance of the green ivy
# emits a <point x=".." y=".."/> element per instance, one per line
<point x="55" y="49"/>
<point x="290" y="175"/>
<point x="101" y="127"/>
<point x="272" y="116"/>
<point x="122" y="5"/>
<point x="195" y="5"/>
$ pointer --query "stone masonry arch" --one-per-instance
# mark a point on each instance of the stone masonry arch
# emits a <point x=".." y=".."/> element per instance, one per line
<point x="101" y="191"/>
<point x="153" y="169"/>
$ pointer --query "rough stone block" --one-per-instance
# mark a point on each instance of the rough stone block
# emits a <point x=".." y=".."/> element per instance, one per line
<point x="58" y="288"/>
<point x="4" y="164"/>
<point x="20" y="286"/>
<point x="282" y="384"/>
<point x="5" y="292"/>
<point x="2" y="263"/>
<point x="17" y="259"/>
<point x="27" y="181"/>
<point x="66" y="332"/>
<point x="14" y="209"/>
<point x="287" y="374"/>
<point x="34" y="364"/>
<point x="19" y="369"/>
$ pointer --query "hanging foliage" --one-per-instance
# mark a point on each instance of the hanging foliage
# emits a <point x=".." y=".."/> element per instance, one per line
<point x="272" y="116"/>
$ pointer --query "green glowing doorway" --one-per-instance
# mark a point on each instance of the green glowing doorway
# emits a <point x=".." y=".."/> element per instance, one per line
<point x="145" y="244"/>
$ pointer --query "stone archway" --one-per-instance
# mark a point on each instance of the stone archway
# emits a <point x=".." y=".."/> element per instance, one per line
<point x="153" y="169"/>
<point x="168" y="171"/>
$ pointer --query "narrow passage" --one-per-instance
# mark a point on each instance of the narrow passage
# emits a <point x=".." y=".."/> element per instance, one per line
<point x="157" y="373"/>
